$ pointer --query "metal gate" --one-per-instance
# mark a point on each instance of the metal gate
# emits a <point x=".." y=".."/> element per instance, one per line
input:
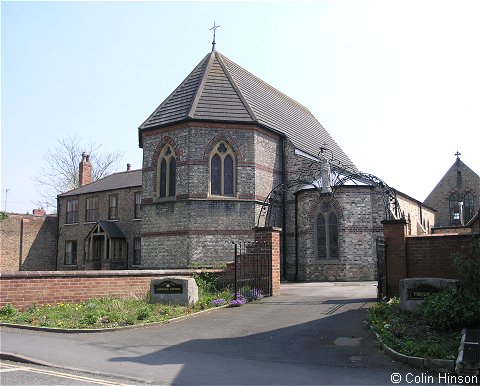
<point x="382" y="290"/>
<point x="253" y="270"/>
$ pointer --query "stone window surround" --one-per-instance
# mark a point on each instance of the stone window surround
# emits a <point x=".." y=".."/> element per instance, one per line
<point x="137" y="211"/>
<point x="74" y="219"/>
<point x="326" y="216"/>
<point x="92" y="209"/>
<point x="71" y="248"/>
<point x="223" y="155"/>
<point x="113" y="209"/>
<point x="167" y="155"/>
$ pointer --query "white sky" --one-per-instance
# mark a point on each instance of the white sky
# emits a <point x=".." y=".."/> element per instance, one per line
<point x="396" y="83"/>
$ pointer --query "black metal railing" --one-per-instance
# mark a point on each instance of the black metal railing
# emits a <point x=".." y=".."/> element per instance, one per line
<point x="253" y="270"/>
<point x="382" y="290"/>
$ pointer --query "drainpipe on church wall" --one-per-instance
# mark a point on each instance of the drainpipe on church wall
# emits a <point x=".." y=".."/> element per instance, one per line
<point x="284" y="220"/>
<point x="295" y="278"/>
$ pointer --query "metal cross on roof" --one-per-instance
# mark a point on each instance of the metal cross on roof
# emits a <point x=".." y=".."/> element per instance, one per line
<point x="214" y="28"/>
<point x="458" y="154"/>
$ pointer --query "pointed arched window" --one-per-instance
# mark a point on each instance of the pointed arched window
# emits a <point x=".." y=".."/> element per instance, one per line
<point x="327" y="233"/>
<point x="468" y="207"/>
<point x="454" y="209"/>
<point x="222" y="170"/>
<point x="166" y="173"/>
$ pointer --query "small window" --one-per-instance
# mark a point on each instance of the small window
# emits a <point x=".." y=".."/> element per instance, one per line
<point x="72" y="211"/>
<point x="70" y="252"/>
<point x="113" y="207"/>
<point x="166" y="173"/>
<point x="138" y="205"/>
<point x="91" y="213"/>
<point x="137" y="253"/>
<point x="222" y="171"/>
<point x="468" y="207"/>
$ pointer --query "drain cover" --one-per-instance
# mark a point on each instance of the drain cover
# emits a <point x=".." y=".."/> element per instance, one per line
<point x="347" y="342"/>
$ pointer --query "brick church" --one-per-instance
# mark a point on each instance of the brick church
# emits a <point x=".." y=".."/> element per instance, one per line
<point x="224" y="153"/>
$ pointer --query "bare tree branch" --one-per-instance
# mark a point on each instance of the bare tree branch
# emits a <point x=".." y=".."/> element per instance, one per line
<point x="59" y="172"/>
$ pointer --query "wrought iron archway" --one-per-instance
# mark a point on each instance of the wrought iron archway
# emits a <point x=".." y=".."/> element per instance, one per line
<point x="327" y="175"/>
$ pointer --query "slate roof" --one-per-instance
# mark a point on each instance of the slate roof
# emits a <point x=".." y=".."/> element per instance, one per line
<point x="114" y="181"/>
<point x="111" y="229"/>
<point x="220" y="90"/>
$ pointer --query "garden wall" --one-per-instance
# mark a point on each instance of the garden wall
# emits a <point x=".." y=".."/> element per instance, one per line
<point x="21" y="289"/>
<point x="421" y="256"/>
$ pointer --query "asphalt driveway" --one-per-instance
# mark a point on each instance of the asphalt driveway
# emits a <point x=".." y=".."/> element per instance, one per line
<point x="313" y="333"/>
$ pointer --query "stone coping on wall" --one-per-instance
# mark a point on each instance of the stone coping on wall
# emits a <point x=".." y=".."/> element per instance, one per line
<point x="102" y="273"/>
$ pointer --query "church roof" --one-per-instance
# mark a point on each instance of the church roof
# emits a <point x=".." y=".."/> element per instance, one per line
<point x="220" y="90"/>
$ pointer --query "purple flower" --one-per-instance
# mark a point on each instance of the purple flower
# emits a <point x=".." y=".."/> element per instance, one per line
<point x="237" y="303"/>
<point x="218" y="302"/>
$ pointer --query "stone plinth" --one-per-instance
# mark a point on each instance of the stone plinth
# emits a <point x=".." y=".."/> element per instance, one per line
<point x="174" y="290"/>
<point x="413" y="291"/>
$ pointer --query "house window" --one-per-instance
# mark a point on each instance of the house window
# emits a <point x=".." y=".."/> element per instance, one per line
<point x="117" y="249"/>
<point x="454" y="209"/>
<point x="166" y="173"/>
<point x="70" y="252"/>
<point x="72" y="211"/>
<point x="113" y="207"/>
<point x="138" y="205"/>
<point x="468" y="207"/>
<point x="137" y="253"/>
<point x="327" y="234"/>
<point x="92" y="209"/>
<point x="222" y="171"/>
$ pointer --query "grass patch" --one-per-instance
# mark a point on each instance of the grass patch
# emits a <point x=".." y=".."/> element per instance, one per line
<point x="113" y="312"/>
<point x="410" y="334"/>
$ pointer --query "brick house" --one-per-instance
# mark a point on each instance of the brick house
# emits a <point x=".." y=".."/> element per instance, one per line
<point x="213" y="153"/>
<point x="99" y="222"/>
<point x="456" y="195"/>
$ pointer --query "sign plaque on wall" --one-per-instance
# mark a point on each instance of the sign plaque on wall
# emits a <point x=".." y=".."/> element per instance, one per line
<point x="168" y="287"/>
<point x="422" y="291"/>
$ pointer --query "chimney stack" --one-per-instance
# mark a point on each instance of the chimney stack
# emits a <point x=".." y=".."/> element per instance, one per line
<point x="85" y="170"/>
<point x="129" y="167"/>
<point x="39" y="212"/>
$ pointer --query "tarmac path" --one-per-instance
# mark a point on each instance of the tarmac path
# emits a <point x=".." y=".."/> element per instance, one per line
<point x="313" y="333"/>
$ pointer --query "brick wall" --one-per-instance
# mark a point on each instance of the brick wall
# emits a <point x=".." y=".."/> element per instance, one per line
<point x="28" y="242"/>
<point x="268" y="235"/>
<point x="422" y="218"/>
<point x="22" y="288"/>
<point x="421" y="256"/>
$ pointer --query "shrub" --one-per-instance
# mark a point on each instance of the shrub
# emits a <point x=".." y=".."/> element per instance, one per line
<point x="144" y="312"/>
<point x="450" y="309"/>
<point x="469" y="270"/>
<point x="207" y="282"/>
<point x="7" y="310"/>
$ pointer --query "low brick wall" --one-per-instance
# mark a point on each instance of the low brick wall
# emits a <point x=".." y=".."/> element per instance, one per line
<point x="21" y="289"/>
<point x="421" y="256"/>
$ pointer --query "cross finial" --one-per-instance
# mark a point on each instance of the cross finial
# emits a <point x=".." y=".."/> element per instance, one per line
<point x="214" y="28"/>
<point x="458" y="154"/>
